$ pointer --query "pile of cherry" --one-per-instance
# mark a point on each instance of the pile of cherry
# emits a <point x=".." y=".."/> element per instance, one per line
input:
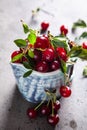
<point x="44" y="56"/>
<point x="50" y="108"/>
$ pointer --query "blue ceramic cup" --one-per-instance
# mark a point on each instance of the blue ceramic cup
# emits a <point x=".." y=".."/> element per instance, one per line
<point x="33" y="87"/>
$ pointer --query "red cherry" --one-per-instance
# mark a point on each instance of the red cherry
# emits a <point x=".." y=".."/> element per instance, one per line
<point x="44" y="25"/>
<point x="63" y="30"/>
<point x="56" y="106"/>
<point x="15" y="53"/>
<point x="55" y="65"/>
<point x="48" y="55"/>
<point x="41" y="66"/>
<point x="65" y="91"/>
<point x="84" y="45"/>
<point x="62" y="53"/>
<point x="32" y="113"/>
<point x="45" y="110"/>
<point x="42" y="42"/>
<point x="37" y="55"/>
<point x="53" y="119"/>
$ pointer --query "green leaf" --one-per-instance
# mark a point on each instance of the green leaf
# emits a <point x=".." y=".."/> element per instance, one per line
<point x="25" y="27"/>
<point x="32" y="38"/>
<point x="85" y="71"/>
<point x="17" y="57"/>
<point x="20" y="42"/>
<point x="27" y="73"/>
<point x="83" y="54"/>
<point x="75" y="51"/>
<point x="60" y="42"/>
<point x="63" y="66"/>
<point x="83" y="35"/>
<point x="31" y="53"/>
<point x="27" y="65"/>
<point x="80" y="23"/>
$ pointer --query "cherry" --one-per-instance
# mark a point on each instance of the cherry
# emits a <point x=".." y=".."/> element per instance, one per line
<point x="56" y="106"/>
<point x="45" y="110"/>
<point x="32" y="113"/>
<point x="84" y="45"/>
<point x="48" y="55"/>
<point x="44" y="25"/>
<point x="55" y="65"/>
<point x="37" y="55"/>
<point x="65" y="91"/>
<point x="15" y="53"/>
<point x="62" y="53"/>
<point x="63" y="30"/>
<point x="53" y="119"/>
<point x="42" y="42"/>
<point x="41" y="66"/>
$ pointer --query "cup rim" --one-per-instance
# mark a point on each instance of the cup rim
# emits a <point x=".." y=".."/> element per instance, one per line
<point x="39" y="73"/>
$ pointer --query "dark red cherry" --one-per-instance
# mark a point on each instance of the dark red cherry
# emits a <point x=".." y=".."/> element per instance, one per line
<point x="56" y="106"/>
<point x="37" y="55"/>
<point x="15" y="53"/>
<point x="32" y="113"/>
<point x="48" y="55"/>
<point x="44" y="25"/>
<point x="41" y="42"/>
<point x="63" y="30"/>
<point x="84" y="45"/>
<point x="65" y="91"/>
<point x="53" y="119"/>
<point x="54" y="65"/>
<point x="62" y="53"/>
<point x="41" y="66"/>
<point x="45" y="110"/>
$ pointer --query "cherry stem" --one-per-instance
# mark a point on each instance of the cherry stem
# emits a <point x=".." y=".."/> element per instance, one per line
<point x="40" y="103"/>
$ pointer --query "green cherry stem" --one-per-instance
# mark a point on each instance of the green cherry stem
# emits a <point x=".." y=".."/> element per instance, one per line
<point x="40" y="103"/>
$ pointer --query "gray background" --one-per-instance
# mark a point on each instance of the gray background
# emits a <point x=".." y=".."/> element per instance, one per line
<point x="73" y="112"/>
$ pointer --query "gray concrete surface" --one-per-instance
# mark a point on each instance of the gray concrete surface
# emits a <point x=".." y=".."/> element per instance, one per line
<point x="73" y="112"/>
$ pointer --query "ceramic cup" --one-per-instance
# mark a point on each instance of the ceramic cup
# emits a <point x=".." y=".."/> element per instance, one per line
<point x="33" y="87"/>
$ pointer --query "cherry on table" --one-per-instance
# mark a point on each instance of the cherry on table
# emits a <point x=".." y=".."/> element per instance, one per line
<point x="53" y="119"/>
<point x="65" y="91"/>
<point x="56" y="106"/>
<point x="32" y="113"/>
<point x="45" y="110"/>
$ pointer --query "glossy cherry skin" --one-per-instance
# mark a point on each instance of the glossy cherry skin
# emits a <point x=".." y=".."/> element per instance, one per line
<point x="37" y="55"/>
<point x="56" y="106"/>
<point x="32" y="113"/>
<point x="45" y="110"/>
<point x="48" y="55"/>
<point x="42" y="42"/>
<point x="84" y="45"/>
<point x="63" y="30"/>
<point x="54" y="65"/>
<point x="65" y="91"/>
<point x="15" y="53"/>
<point x="62" y="53"/>
<point x="53" y="119"/>
<point x="44" y="25"/>
<point x="41" y="66"/>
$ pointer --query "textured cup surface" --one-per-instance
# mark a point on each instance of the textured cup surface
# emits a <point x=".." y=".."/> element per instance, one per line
<point x="33" y="87"/>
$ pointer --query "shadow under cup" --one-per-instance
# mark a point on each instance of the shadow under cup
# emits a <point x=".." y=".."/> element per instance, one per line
<point x="33" y="87"/>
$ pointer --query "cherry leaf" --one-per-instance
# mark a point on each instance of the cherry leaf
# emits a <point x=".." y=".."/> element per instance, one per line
<point x="17" y="57"/>
<point x="20" y="42"/>
<point x="27" y="73"/>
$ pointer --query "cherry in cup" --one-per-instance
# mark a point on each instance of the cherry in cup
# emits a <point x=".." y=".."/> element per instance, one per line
<point x="44" y="26"/>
